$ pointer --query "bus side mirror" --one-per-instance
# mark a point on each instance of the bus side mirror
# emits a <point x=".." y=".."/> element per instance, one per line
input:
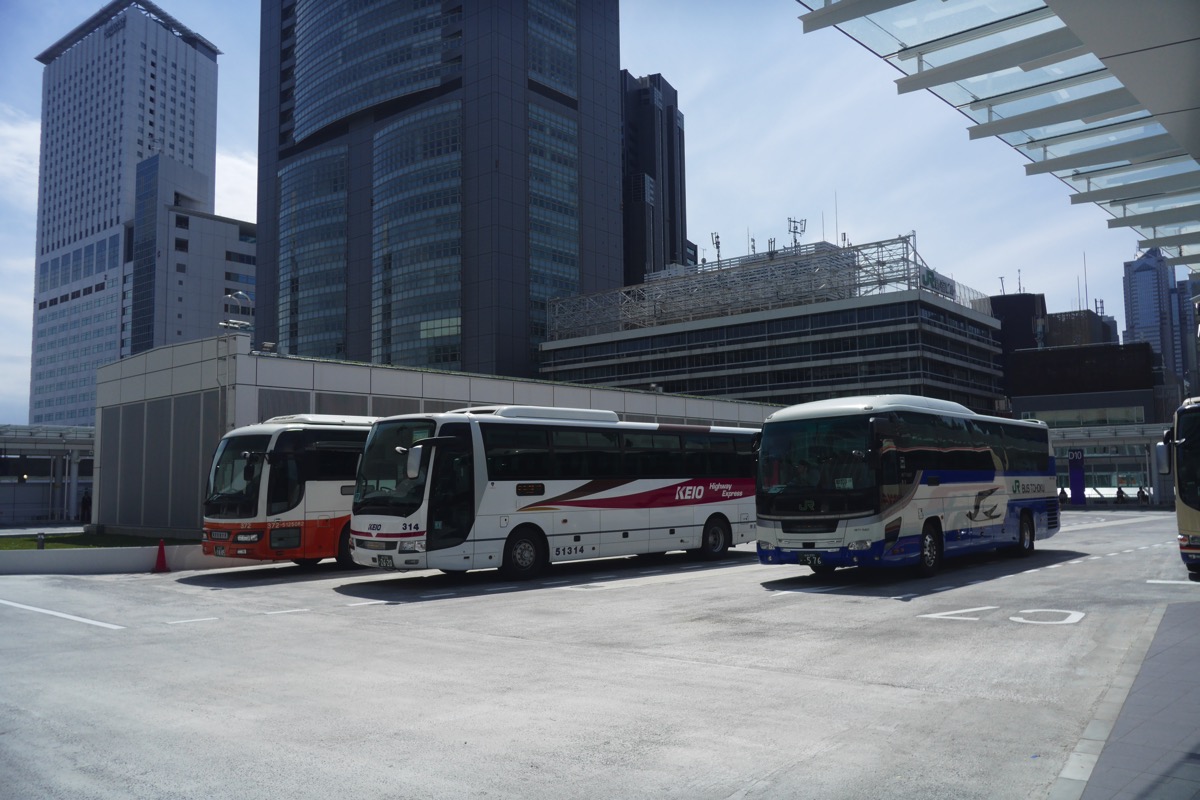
<point x="248" y="472"/>
<point x="1162" y="458"/>
<point x="412" y="464"/>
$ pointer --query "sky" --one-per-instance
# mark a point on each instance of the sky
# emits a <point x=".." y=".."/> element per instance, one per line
<point x="779" y="124"/>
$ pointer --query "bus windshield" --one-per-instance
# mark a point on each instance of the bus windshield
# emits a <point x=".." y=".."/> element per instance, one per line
<point x="382" y="486"/>
<point x="1187" y="458"/>
<point x="816" y="466"/>
<point x="234" y="478"/>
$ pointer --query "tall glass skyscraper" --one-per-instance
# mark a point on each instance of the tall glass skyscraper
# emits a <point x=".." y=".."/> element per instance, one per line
<point x="1150" y="311"/>
<point x="127" y="84"/>
<point x="431" y="174"/>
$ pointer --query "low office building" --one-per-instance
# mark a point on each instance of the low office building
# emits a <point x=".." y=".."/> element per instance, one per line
<point x="802" y="323"/>
<point x="160" y="415"/>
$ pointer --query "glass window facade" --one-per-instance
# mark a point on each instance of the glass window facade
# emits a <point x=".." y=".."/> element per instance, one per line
<point x="552" y="45"/>
<point x="312" y="254"/>
<point x="417" y="235"/>
<point x="553" y="215"/>
<point x="353" y="55"/>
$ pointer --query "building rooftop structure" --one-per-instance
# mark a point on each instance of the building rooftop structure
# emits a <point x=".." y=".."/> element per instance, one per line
<point x="88" y="26"/>
<point x="793" y="276"/>
<point x="1091" y="92"/>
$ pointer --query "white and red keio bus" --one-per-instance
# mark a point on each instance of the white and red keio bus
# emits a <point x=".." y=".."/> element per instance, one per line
<point x="518" y="487"/>
<point x="281" y="490"/>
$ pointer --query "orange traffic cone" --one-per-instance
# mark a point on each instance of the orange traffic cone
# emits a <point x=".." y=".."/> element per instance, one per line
<point x="161" y="564"/>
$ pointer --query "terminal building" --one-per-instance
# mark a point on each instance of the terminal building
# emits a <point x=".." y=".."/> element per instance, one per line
<point x="802" y="323"/>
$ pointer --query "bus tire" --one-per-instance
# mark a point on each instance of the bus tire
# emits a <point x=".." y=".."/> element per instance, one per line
<point x="1194" y="568"/>
<point x="930" y="562"/>
<point x="714" y="539"/>
<point x="1025" y="536"/>
<point x="524" y="554"/>
<point x="823" y="570"/>
<point x="344" y="559"/>
<point x="306" y="563"/>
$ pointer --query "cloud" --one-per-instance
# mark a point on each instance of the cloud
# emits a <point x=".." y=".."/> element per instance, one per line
<point x="237" y="185"/>
<point x="19" y="142"/>
<point x="20" y="138"/>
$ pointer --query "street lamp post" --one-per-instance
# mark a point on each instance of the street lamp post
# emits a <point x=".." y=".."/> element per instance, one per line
<point x="245" y="308"/>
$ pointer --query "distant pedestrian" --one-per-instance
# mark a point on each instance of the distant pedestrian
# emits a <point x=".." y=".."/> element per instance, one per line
<point x="1142" y="498"/>
<point x="85" y="507"/>
<point x="1062" y="495"/>
<point x="1121" y="496"/>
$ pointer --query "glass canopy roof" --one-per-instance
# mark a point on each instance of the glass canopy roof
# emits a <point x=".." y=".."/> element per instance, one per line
<point x="1055" y="94"/>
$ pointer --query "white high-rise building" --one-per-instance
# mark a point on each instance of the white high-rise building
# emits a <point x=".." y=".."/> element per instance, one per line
<point x="127" y="84"/>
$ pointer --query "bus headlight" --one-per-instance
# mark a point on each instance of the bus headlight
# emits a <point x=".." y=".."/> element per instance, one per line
<point x="861" y="544"/>
<point x="248" y="537"/>
<point x="1193" y="541"/>
<point x="412" y="547"/>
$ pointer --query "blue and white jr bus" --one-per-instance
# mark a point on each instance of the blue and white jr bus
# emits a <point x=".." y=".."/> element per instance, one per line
<point x="897" y="480"/>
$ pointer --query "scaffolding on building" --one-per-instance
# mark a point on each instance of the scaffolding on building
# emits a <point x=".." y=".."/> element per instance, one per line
<point x="798" y="275"/>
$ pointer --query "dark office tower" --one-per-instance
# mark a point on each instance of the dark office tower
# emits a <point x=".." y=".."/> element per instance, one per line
<point x="432" y="173"/>
<point x="653" y="172"/>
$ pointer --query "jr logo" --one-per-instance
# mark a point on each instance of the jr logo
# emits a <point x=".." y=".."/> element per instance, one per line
<point x="983" y="513"/>
<point x="689" y="492"/>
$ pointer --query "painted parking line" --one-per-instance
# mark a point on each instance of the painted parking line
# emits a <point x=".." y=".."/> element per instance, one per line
<point x="288" y="611"/>
<point x="186" y="621"/>
<point x="1183" y="583"/>
<point x="367" y="603"/>
<point x="61" y="615"/>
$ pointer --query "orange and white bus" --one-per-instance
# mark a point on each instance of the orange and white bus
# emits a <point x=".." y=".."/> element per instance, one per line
<point x="281" y="490"/>
<point x="519" y="487"/>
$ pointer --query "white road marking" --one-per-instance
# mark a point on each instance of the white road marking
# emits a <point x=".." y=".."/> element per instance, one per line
<point x="1184" y="583"/>
<point x="367" y="603"/>
<point x="61" y="615"/>
<point x="288" y="611"/>
<point x="186" y="621"/>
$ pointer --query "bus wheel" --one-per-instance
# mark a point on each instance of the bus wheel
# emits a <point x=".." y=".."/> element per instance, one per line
<point x="931" y="551"/>
<point x="344" y="559"/>
<point x="524" y="554"/>
<point x="714" y="541"/>
<point x="1025" y="536"/>
<point x="307" y="563"/>
<point x="823" y="569"/>
<point x="1194" y="568"/>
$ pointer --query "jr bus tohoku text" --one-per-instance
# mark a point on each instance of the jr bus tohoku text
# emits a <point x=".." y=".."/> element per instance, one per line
<point x="898" y="480"/>
<point x="519" y="487"/>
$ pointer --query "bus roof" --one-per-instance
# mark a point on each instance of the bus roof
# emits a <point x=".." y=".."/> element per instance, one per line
<point x="543" y="412"/>
<point x="320" y="419"/>
<point x="881" y="403"/>
<point x="270" y="426"/>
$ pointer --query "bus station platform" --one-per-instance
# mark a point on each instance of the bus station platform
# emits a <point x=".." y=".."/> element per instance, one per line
<point x="1152" y="751"/>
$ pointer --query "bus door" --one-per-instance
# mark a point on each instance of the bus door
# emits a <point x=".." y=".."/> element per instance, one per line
<point x="452" y="498"/>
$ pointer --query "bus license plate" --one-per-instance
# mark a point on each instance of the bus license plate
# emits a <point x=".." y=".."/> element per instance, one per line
<point x="219" y="550"/>
<point x="810" y="560"/>
<point x="386" y="562"/>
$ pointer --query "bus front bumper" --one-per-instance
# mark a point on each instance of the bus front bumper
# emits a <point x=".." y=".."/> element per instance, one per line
<point x="874" y="554"/>
<point x="385" y="554"/>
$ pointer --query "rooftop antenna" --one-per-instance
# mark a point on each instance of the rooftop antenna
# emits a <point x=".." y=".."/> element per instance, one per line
<point x="1086" y="299"/>
<point x="1020" y="290"/>
<point x="716" y="240"/>
<point x="796" y="229"/>
<point x="1002" y="284"/>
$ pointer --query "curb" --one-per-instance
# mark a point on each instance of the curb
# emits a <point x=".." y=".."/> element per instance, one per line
<point x="112" y="560"/>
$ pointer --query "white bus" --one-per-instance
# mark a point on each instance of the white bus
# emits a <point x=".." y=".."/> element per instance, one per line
<point x="281" y="490"/>
<point x="518" y="487"/>
<point x="898" y="480"/>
